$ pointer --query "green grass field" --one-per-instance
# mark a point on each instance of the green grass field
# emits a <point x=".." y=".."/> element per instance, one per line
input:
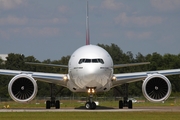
<point x="90" y="116"/>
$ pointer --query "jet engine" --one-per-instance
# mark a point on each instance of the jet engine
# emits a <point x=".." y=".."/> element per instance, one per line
<point x="156" y="88"/>
<point x="22" y="88"/>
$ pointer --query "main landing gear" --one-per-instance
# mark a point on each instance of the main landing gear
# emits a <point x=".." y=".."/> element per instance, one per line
<point x="90" y="104"/>
<point x="53" y="102"/>
<point x="125" y="102"/>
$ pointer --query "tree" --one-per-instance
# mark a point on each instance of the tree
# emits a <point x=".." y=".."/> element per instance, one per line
<point x="156" y="61"/>
<point x="15" y="61"/>
<point x="2" y="64"/>
<point x="115" y="52"/>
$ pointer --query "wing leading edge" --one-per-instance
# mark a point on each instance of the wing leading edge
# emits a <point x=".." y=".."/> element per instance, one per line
<point x="138" y="76"/>
<point x="130" y="64"/>
<point x="45" y="77"/>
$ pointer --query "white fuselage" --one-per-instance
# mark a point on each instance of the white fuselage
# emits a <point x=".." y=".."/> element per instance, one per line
<point x="90" y="66"/>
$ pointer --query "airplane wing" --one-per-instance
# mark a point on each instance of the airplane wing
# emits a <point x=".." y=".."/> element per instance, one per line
<point x="52" y="65"/>
<point x="40" y="76"/>
<point x="130" y="64"/>
<point x="138" y="76"/>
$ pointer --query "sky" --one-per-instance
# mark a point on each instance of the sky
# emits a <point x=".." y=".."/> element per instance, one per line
<point x="51" y="29"/>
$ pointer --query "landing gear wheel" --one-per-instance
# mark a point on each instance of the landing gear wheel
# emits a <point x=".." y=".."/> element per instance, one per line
<point x="88" y="105"/>
<point x="130" y="104"/>
<point x="93" y="105"/>
<point x="57" y="104"/>
<point x="48" y="104"/>
<point x="120" y="104"/>
<point x="125" y="102"/>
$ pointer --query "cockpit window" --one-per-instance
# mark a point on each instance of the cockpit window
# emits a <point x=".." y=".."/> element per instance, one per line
<point x="81" y="61"/>
<point x="101" y="61"/>
<point x="94" y="60"/>
<point x="84" y="60"/>
<point x="87" y="60"/>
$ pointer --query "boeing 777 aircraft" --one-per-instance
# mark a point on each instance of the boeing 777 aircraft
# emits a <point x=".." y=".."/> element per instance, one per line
<point x="90" y="69"/>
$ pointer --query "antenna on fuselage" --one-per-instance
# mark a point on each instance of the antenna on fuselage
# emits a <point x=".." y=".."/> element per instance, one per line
<point x="87" y="26"/>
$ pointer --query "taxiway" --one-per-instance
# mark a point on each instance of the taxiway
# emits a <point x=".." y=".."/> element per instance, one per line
<point x="136" y="109"/>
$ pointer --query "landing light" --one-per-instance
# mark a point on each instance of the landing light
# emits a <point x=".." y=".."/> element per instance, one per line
<point x="91" y="90"/>
<point x="113" y="78"/>
<point x="65" y="78"/>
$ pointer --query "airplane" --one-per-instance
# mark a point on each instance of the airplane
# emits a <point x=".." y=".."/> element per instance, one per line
<point x="90" y="70"/>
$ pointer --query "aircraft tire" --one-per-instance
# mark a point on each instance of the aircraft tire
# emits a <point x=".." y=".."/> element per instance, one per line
<point x="57" y="104"/>
<point x="120" y="104"/>
<point x="88" y="105"/>
<point x="93" y="105"/>
<point x="130" y="104"/>
<point x="48" y="104"/>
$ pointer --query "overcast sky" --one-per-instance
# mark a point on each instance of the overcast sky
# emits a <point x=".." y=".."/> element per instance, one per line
<point x="50" y="29"/>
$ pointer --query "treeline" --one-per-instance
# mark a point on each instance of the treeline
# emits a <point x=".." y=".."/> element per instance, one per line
<point x="157" y="62"/>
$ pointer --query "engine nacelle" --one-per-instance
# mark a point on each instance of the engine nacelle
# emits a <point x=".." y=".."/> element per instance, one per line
<point x="156" y="88"/>
<point x="22" y="88"/>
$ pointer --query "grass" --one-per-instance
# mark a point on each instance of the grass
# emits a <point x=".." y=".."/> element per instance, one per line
<point x="90" y="116"/>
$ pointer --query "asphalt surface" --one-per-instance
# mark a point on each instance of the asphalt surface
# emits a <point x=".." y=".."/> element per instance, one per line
<point x="136" y="109"/>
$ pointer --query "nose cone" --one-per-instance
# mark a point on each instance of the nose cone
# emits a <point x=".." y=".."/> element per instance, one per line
<point x="92" y="76"/>
<point x="91" y="69"/>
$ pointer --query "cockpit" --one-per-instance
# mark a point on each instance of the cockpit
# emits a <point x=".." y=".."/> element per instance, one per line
<point x="85" y="60"/>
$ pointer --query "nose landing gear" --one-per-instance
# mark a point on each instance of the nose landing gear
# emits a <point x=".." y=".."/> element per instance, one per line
<point x="90" y="104"/>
